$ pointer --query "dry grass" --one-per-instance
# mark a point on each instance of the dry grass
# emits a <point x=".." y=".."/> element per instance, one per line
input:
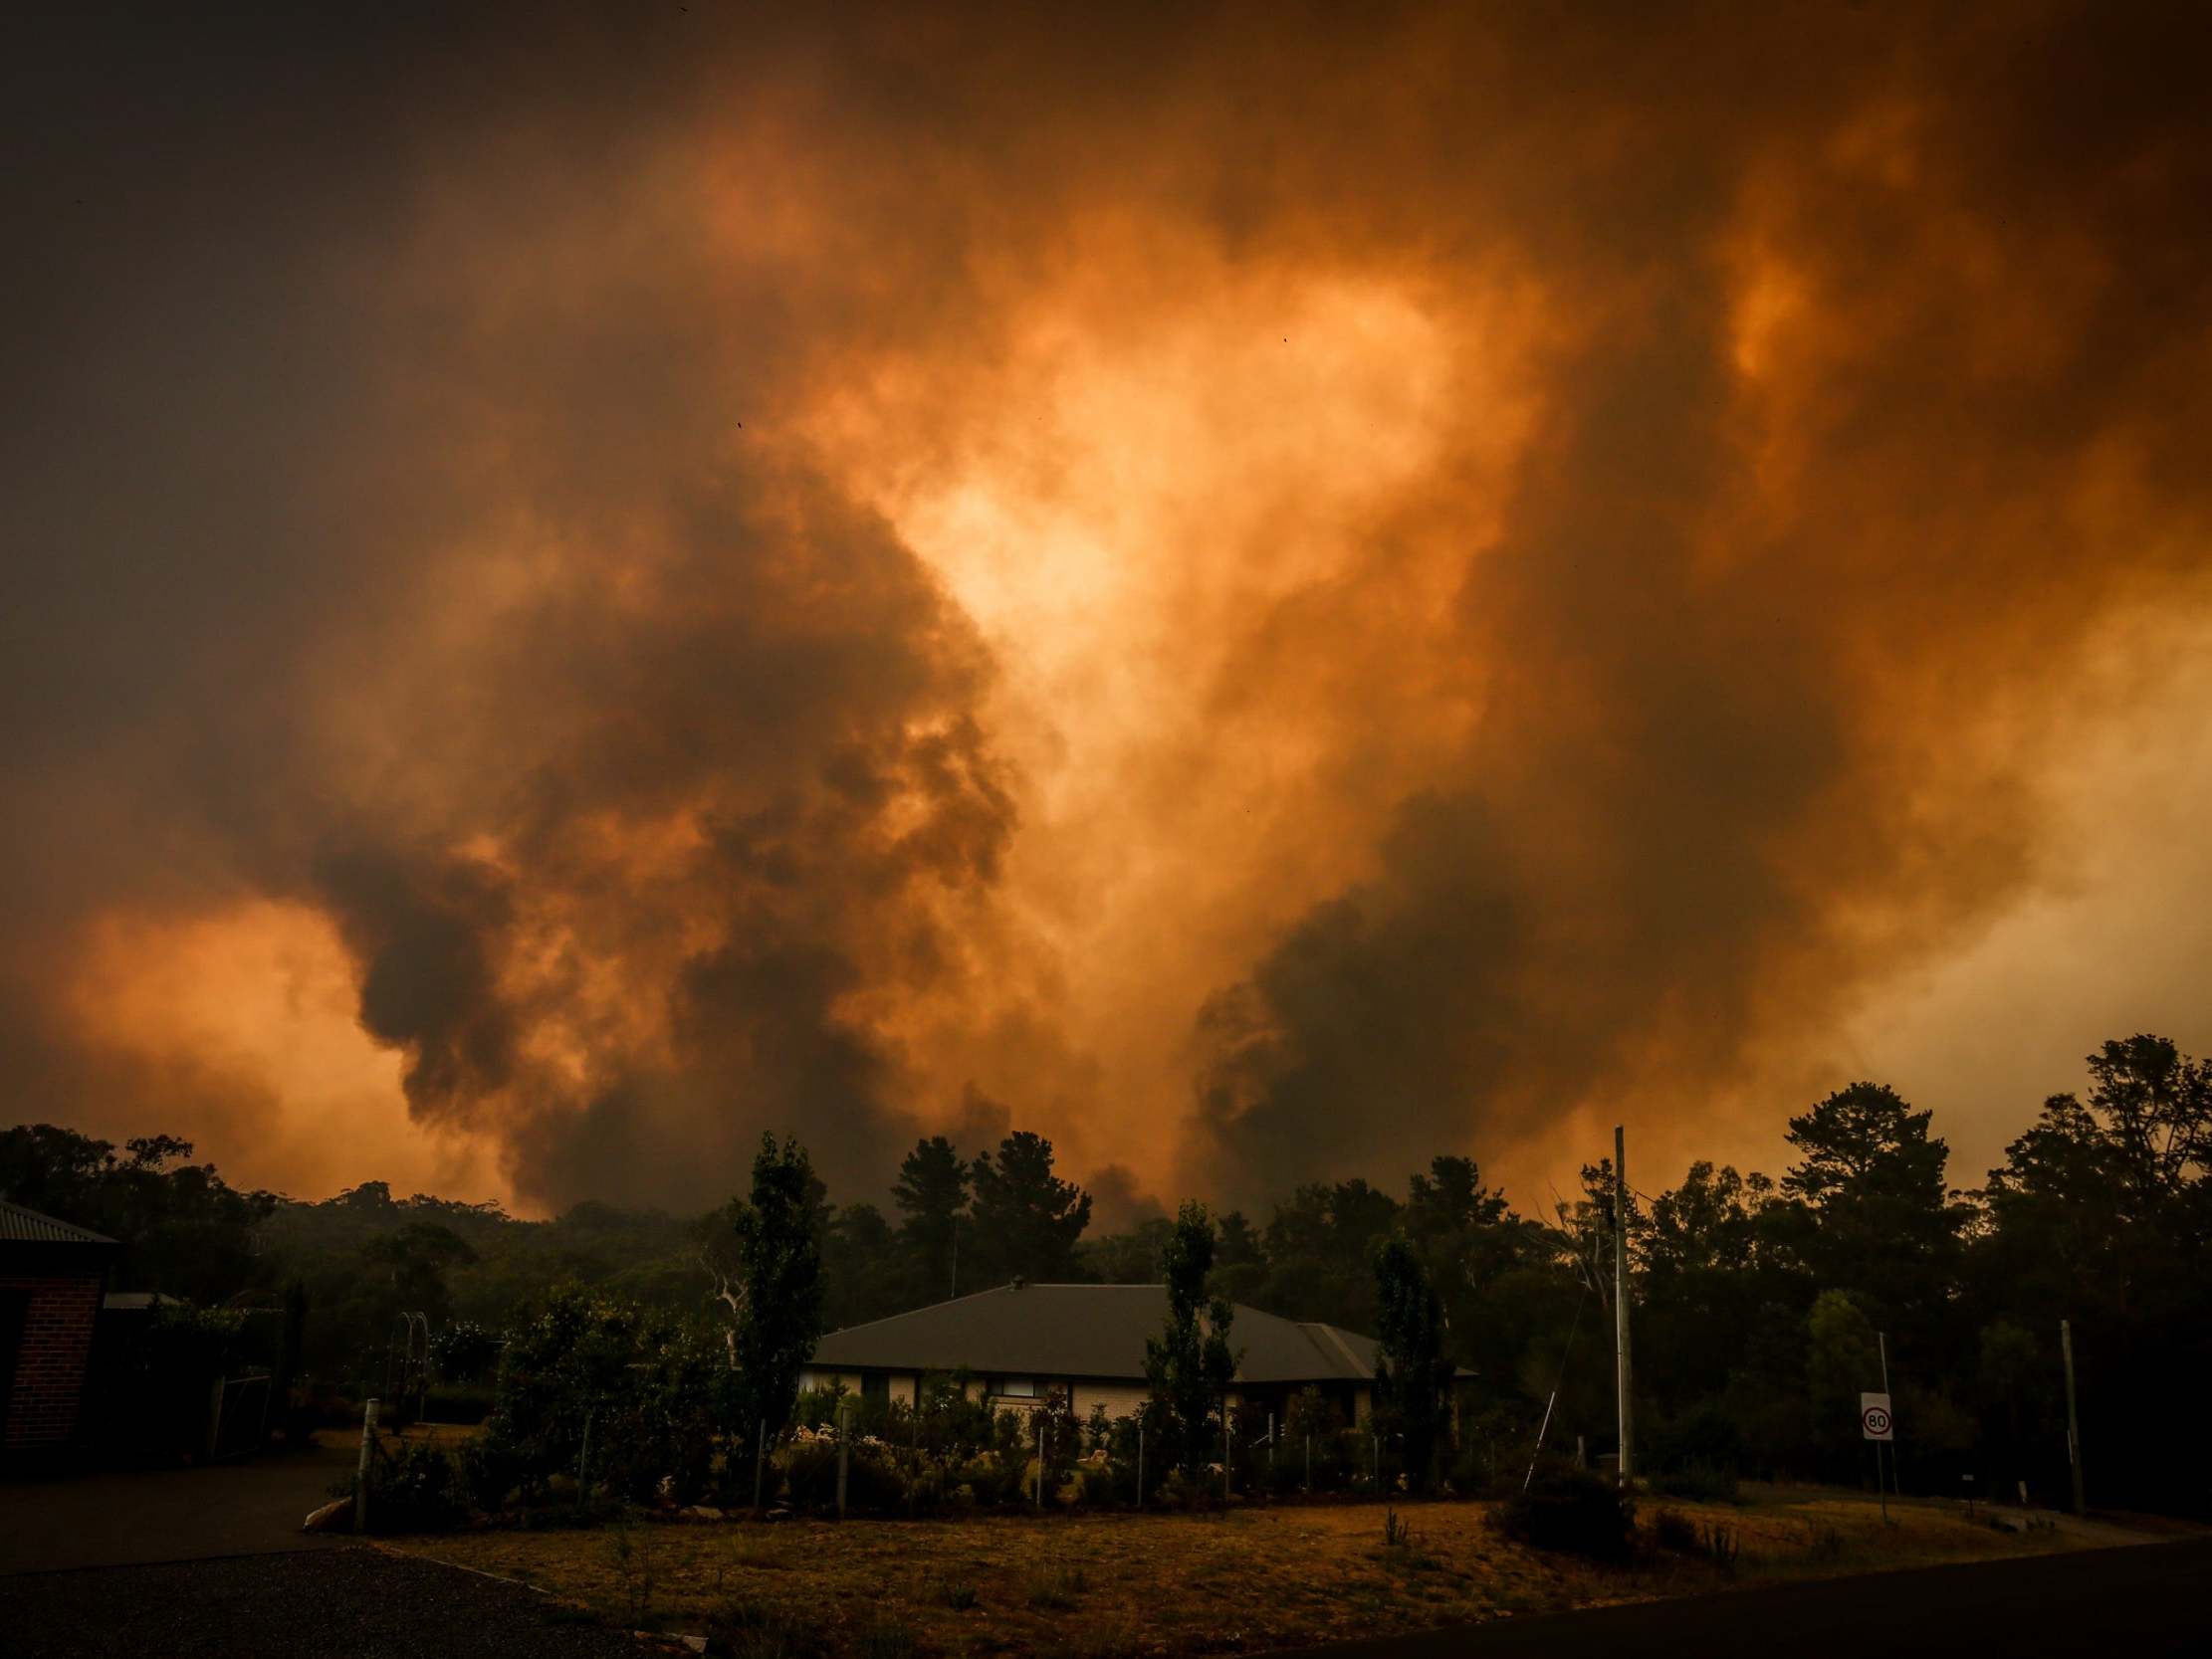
<point x="1102" y="1587"/>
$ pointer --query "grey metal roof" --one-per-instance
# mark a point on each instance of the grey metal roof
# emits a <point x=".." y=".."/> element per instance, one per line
<point x="1085" y="1330"/>
<point x="27" y="1226"/>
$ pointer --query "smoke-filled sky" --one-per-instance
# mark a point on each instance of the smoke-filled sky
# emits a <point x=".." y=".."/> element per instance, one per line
<point x="1266" y="591"/>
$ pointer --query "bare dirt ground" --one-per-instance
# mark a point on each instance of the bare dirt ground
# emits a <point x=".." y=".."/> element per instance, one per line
<point x="1248" y="1579"/>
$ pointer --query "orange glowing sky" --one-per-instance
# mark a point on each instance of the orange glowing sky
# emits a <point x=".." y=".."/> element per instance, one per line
<point x="1267" y="593"/>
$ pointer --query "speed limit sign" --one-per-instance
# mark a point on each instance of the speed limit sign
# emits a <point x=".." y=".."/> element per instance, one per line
<point x="1875" y="1421"/>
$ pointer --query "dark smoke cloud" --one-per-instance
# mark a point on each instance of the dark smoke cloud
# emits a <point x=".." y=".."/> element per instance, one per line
<point x="1734" y="767"/>
<point x="385" y="540"/>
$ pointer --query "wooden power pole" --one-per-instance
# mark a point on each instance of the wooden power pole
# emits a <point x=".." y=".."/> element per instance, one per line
<point x="1621" y="1367"/>
<point x="2072" y="1419"/>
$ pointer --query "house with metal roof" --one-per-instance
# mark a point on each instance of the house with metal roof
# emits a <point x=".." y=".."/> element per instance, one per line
<point x="1022" y="1343"/>
<point x="52" y="1275"/>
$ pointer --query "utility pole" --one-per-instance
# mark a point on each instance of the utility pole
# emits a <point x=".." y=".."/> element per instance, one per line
<point x="1621" y="1367"/>
<point x="2073" y="1419"/>
<point x="1881" y="1345"/>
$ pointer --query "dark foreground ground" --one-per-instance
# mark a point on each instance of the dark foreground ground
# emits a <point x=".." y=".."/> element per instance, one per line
<point x="351" y="1603"/>
<point x="165" y="1514"/>
<point x="2127" y="1603"/>
<point x="361" y="1603"/>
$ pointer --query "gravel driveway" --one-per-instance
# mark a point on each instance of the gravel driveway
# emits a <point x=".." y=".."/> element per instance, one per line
<point x="348" y="1603"/>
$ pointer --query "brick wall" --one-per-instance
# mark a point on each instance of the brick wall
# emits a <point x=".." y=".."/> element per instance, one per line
<point x="50" y="1364"/>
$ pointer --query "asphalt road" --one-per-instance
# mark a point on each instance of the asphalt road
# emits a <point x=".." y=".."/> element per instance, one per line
<point x="166" y="1515"/>
<point x="347" y="1602"/>
<point x="2129" y="1603"/>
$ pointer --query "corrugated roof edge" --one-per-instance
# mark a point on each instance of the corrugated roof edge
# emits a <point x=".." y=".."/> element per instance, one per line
<point x="20" y="1224"/>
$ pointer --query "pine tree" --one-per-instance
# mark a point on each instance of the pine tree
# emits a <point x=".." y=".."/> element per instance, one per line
<point x="1189" y="1365"/>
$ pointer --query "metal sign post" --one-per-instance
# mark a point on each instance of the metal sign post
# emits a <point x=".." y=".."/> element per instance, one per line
<point x="1878" y="1425"/>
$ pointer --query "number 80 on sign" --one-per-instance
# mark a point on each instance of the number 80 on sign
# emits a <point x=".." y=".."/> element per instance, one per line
<point x="1875" y="1421"/>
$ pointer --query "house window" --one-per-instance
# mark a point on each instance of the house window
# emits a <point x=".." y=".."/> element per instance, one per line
<point x="1017" y="1387"/>
<point x="875" y="1385"/>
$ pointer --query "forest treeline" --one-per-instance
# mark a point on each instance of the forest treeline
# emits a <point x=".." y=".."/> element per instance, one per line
<point x="1756" y="1300"/>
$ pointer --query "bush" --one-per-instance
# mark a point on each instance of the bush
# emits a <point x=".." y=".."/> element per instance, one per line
<point x="652" y="1387"/>
<point x="992" y="1480"/>
<point x="1573" y="1511"/>
<point x="465" y="1352"/>
<point x="1672" y="1530"/>
<point x="456" y="1403"/>
<point x="871" y="1482"/>
<point x="1701" y="1483"/>
<point x="425" y="1492"/>
<point x="1057" y="1587"/>
<point x="754" y="1630"/>
<point x="1704" y="1437"/>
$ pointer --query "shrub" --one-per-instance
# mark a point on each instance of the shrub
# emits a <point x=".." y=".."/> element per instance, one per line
<point x="651" y="1385"/>
<point x="992" y="1480"/>
<point x="871" y="1482"/>
<point x="754" y="1630"/>
<point x="423" y="1492"/>
<point x="465" y="1352"/>
<point x="887" y="1639"/>
<point x="1699" y="1481"/>
<point x="1573" y="1511"/>
<point x="1057" y="1587"/>
<point x="455" y="1402"/>
<point x="1672" y="1530"/>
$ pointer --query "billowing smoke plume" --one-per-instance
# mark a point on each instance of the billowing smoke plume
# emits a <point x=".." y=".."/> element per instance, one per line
<point x="1279" y="591"/>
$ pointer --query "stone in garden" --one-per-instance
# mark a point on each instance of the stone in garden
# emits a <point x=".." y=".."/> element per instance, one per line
<point x="332" y="1517"/>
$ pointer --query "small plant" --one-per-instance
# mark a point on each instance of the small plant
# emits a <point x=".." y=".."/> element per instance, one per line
<point x="887" y="1639"/>
<point x="633" y="1568"/>
<point x="1701" y="1483"/>
<point x="1671" y="1529"/>
<point x="748" y="1630"/>
<point x="1058" y="1588"/>
<point x="1722" y="1544"/>
<point x="1395" y="1534"/>
<point x="960" y="1597"/>
<point x="1570" y="1509"/>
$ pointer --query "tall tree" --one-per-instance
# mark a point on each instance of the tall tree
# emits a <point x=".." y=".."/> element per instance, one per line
<point x="932" y="1194"/>
<point x="1870" y="1181"/>
<point x="864" y="1273"/>
<point x="183" y="1229"/>
<point x="1189" y="1365"/>
<point x="1413" y="1376"/>
<point x="1841" y="1364"/>
<point x="781" y="1317"/>
<point x="1025" y="1219"/>
<point x="1320" y="1252"/>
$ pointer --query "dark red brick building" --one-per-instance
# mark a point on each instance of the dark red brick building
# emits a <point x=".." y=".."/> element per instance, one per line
<point x="52" y="1277"/>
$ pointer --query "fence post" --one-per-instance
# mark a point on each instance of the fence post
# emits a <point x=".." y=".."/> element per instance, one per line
<point x="361" y="1475"/>
<point x="844" y="1450"/>
<point x="214" y="1419"/>
<point x="1271" y="1453"/>
<point x="1377" y="1441"/>
<point x="1309" y="1465"/>
<point x="759" y="1464"/>
<point x="1227" y="1453"/>
<point x="583" y="1459"/>
<point x="1140" y="1462"/>
<point x="1040" y="1458"/>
